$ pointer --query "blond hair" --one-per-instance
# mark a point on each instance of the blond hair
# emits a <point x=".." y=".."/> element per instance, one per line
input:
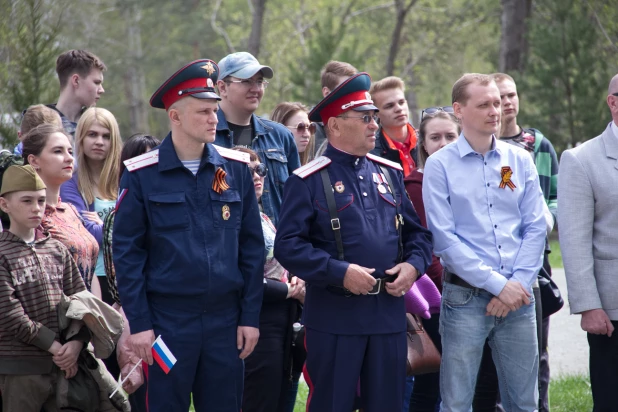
<point x="387" y="83"/>
<point x="335" y="70"/>
<point x="108" y="181"/>
<point x="460" y="88"/>
<point x="282" y="113"/>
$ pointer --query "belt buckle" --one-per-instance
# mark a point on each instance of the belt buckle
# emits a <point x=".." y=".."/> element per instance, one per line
<point x="376" y="288"/>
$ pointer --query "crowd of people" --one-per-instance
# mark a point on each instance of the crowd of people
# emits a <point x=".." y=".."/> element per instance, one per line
<point x="265" y="249"/>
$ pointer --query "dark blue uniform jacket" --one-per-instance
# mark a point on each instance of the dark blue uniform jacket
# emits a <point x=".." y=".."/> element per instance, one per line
<point x="305" y="243"/>
<point x="173" y="245"/>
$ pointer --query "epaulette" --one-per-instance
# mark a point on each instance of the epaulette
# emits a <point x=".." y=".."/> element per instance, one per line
<point x="146" y="159"/>
<point x="385" y="162"/>
<point x="312" y="167"/>
<point x="233" y="154"/>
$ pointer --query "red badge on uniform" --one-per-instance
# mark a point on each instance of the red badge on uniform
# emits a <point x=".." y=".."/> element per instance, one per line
<point x="219" y="184"/>
<point x="506" y="174"/>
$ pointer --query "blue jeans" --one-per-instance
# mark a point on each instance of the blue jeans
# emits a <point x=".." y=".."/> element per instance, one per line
<point x="464" y="327"/>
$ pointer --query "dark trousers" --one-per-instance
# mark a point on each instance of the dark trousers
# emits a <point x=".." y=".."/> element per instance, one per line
<point x="604" y="371"/>
<point x="426" y="390"/>
<point x="266" y="387"/>
<point x="337" y="363"/>
<point x="207" y="365"/>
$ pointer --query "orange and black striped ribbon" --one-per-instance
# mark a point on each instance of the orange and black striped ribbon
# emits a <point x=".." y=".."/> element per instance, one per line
<point x="219" y="185"/>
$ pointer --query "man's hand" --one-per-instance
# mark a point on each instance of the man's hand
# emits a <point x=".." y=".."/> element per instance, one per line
<point x="141" y="344"/>
<point x="92" y="216"/>
<point x="406" y="276"/>
<point x="358" y="279"/>
<point x="55" y="348"/>
<point x="246" y="339"/>
<point x="514" y="295"/>
<point x="495" y="307"/>
<point x="299" y="293"/>
<point x="68" y="354"/>
<point x="135" y="379"/>
<point x="70" y="372"/>
<point x="596" y="322"/>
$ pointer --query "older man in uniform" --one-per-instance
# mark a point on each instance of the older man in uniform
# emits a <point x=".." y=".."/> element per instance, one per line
<point x="348" y="229"/>
<point x="189" y="252"/>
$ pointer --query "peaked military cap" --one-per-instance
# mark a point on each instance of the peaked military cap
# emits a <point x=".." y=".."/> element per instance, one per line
<point x="196" y="79"/>
<point x="352" y="94"/>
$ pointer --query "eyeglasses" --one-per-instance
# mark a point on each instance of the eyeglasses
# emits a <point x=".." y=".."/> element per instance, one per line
<point x="259" y="169"/>
<point x="249" y="83"/>
<point x="300" y="127"/>
<point x="615" y="94"/>
<point x="433" y="110"/>
<point x="366" y="118"/>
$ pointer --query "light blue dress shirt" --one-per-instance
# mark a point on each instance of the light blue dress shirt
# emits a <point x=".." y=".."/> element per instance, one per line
<point x="485" y="233"/>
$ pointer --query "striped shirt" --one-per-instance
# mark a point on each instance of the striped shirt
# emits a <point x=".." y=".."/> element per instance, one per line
<point x="32" y="281"/>
<point x="192" y="165"/>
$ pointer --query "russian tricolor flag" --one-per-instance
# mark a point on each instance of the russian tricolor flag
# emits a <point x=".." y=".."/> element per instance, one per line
<point x="163" y="355"/>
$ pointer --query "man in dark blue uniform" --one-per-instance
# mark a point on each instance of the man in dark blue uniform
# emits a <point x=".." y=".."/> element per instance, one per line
<point x="189" y="252"/>
<point x="359" y="257"/>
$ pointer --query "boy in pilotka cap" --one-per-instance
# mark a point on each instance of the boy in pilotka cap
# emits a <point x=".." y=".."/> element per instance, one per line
<point x="35" y="270"/>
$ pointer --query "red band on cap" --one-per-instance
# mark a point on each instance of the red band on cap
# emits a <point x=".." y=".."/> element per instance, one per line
<point x="172" y="95"/>
<point x="345" y="103"/>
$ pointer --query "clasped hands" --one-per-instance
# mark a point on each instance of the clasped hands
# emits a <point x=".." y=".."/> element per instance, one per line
<point x="512" y="297"/>
<point x="358" y="279"/>
<point x="65" y="356"/>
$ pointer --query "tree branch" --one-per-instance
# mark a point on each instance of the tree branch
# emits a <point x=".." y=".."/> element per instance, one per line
<point x="596" y="17"/>
<point x="219" y="30"/>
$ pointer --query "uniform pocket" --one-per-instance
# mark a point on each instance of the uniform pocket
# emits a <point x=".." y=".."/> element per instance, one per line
<point x="277" y="165"/>
<point x="169" y="212"/>
<point x="226" y="209"/>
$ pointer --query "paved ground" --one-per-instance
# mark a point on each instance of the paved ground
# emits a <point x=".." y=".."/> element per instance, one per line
<point x="568" y="347"/>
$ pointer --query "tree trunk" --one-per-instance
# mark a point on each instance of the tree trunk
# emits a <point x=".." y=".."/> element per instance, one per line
<point x="401" y="11"/>
<point x="255" y="38"/>
<point x="513" y="43"/>
<point x="134" y="75"/>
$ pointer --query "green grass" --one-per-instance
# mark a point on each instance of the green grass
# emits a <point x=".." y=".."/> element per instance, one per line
<point x="568" y="393"/>
<point x="555" y="257"/>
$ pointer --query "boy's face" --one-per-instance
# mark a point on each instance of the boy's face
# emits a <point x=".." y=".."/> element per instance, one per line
<point x="25" y="208"/>
<point x="90" y="88"/>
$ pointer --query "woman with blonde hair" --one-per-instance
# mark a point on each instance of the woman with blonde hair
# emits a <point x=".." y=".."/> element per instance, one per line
<point x="295" y="117"/>
<point x="94" y="186"/>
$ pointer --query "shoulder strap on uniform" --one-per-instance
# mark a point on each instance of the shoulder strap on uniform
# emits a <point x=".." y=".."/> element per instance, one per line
<point x="385" y="162"/>
<point x="332" y="210"/>
<point x="138" y="162"/>
<point x="233" y="154"/>
<point x="312" y="167"/>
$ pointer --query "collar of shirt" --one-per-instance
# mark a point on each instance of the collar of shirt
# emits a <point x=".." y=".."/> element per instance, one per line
<point x="614" y="127"/>
<point x="344" y="158"/>
<point x="168" y="158"/>
<point x="465" y="148"/>
<point x="404" y="148"/>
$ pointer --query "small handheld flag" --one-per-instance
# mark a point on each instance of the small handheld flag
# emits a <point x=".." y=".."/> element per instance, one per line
<point x="163" y="355"/>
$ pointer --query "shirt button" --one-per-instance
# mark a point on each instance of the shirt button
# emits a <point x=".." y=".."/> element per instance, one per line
<point x="485" y="163"/>
<point x="501" y="267"/>
<point x="360" y="177"/>
<point x="490" y="205"/>
<point x="487" y="184"/>
<point x="365" y="194"/>
<point x="499" y="247"/>
<point x="495" y="226"/>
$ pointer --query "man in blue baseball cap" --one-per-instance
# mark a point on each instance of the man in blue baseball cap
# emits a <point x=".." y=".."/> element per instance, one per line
<point x="242" y="83"/>
<point x="348" y="230"/>
<point x="188" y="252"/>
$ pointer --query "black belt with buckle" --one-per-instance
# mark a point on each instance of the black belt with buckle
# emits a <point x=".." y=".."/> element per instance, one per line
<point x="379" y="287"/>
<point x="450" y="277"/>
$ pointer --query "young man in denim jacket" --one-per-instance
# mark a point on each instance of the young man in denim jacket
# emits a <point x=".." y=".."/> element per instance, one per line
<point x="241" y="86"/>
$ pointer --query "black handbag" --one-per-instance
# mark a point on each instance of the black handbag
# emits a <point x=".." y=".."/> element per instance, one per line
<point x="551" y="298"/>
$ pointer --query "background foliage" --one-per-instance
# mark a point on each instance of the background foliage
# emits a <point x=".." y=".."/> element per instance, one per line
<point x="570" y="51"/>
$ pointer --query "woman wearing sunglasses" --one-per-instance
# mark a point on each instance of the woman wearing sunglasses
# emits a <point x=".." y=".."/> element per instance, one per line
<point x="438" y="128"/>
<point x="294" y="116"/>
<point x="268" y="370"/>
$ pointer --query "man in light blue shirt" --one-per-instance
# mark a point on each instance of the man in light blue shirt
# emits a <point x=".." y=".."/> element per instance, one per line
<point x="485" y="210"/>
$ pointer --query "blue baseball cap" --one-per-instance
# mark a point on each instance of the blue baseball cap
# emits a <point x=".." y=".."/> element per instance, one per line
<point x="243" y="66"/>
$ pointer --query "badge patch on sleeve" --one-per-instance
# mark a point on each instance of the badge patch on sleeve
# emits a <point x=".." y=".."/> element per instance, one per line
<point x="506" y="172"/>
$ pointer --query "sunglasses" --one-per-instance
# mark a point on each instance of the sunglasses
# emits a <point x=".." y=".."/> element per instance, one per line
<point x="366" y="118"/>
<point x="433" y="110"/>
<point x="300" y="127"/>
<point x="259" y="169"/>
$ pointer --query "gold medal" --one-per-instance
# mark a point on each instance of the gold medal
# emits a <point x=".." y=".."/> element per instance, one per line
<point x="225" y="212"/>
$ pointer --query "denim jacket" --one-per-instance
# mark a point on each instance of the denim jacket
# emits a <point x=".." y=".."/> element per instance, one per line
<point x="275" y="145"/>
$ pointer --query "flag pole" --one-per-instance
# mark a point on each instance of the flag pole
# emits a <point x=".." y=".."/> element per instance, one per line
<point x="125" y="378"/>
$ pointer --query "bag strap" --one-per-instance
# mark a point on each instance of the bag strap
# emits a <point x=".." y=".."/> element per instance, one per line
<point x="332" y="210"/>
<point x="398" y="216"/>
